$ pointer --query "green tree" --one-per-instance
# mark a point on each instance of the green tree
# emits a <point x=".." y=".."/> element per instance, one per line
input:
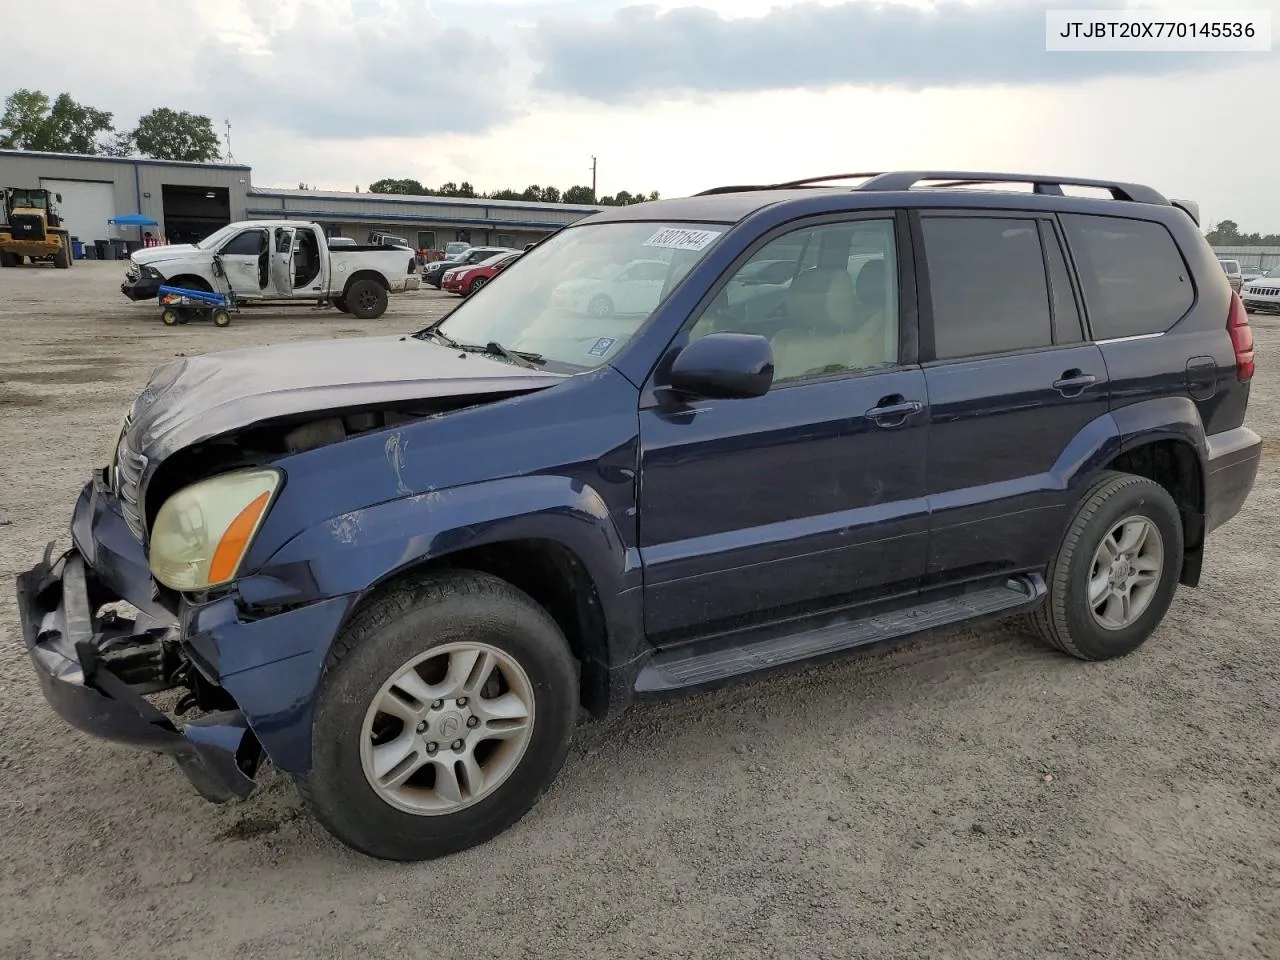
<point x="31" y="122"/>
<point x="1227" y="231"/>
<point x="119" y="144"/>
<point x="390" y="185"/>
<point x="176" y="135"/>
<point x="578" y="194"/>
<point x="504" y="195"/>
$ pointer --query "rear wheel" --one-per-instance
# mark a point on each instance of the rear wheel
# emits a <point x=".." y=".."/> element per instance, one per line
<point x="367" y="299"/>
<point x="1115" y="575"/>
<point x="445" y="712"/>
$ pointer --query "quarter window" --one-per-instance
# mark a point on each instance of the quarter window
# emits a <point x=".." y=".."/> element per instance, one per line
<point x="988" y="286"/>
<point x="826" y="297"/>
<point x="1135" y="280"/>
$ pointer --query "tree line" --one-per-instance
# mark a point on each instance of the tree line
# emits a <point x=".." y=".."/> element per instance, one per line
<point x="34" y="121"/>
<point x="1227" y="234"/>
<point x="575" y="194"/>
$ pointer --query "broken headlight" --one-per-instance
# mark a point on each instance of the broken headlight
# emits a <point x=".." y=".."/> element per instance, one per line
<point x="203" y="531"/>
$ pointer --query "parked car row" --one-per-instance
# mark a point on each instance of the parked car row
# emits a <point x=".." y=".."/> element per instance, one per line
<point x="433" y="273"/>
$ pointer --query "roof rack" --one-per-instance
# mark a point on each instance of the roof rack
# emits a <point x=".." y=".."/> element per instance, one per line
<point x="906" y="179"/>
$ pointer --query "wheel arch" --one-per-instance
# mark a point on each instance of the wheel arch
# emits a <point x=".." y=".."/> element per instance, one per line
<point x="365" y="274"/>
<point x="1164" y="441"/>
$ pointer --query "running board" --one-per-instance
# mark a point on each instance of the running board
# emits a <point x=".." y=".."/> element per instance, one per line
<point x="760" y="648"/>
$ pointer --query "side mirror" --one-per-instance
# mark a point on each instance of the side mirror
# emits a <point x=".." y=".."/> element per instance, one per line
<point x="724" y="366"/>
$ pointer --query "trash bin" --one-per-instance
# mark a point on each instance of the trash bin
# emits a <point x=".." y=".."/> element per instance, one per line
<point x="103" y="249"/>
<point x="118" y="250"/>
<point x="77" y="248"/>
<point x="132" y="246"/>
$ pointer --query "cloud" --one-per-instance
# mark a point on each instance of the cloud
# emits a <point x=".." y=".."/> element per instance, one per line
<point x="640" y="51"/>
<point x="327" y="69"/>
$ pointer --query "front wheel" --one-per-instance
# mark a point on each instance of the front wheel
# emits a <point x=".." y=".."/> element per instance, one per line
<point x="600" y="306"/>
<point x="476" y="284"/>
<point x="445" y="712"/>
<point x="169" y="317"/>
<point x="1115" y="575"/>
<point x="341" y="305"/>
<point x="221" y="318"/>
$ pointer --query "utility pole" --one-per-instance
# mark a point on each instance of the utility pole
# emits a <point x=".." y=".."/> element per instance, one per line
<point x="230" y="159"/>
<point x="593" y="179"/>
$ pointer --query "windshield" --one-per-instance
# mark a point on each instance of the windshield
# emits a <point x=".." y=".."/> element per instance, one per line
<point x="1271" y="271"/>
<point x="580" y="296"/>
<point x="215" y="238"/>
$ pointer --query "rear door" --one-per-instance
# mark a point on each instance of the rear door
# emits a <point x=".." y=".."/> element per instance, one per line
<point x="282" y="261"/>
<point x="1012" y="385"/>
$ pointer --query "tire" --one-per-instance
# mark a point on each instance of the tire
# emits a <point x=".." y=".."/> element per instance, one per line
<point x="340" y="304"/>
<point x="367" y="299"/>
<point x="600" y="306"/>
<point x="8" y="259"/>
<point x="62" y="259"/>
<point x="169" y="317"/>
<point x="476" y="284"/>
<point x="407" y="622"/>
<point x="1112" y="507"/>
<point x="221" y="318"/>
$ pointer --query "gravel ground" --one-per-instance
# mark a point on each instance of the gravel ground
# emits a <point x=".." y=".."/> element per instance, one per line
<point x="970" y="795"/>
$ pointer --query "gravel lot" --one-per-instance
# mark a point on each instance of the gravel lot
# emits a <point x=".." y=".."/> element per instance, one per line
<point x="969" y="795"/>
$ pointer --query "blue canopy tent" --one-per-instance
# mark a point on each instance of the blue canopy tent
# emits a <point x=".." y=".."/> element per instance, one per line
<point x="133" y="220"/>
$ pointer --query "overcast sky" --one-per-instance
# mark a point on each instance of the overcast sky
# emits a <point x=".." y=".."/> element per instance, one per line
<point x="671" y="96"/>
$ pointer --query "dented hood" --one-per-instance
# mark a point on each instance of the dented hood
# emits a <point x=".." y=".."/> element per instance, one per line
<point x="191" y="399"/>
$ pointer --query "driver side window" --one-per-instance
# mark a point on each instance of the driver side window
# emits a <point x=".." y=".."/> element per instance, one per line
<point x="247" y="244"/>
<point x="826" y="297"/>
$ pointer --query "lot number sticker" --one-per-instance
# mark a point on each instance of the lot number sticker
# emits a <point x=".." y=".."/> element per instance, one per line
<point x="675" y="238"/>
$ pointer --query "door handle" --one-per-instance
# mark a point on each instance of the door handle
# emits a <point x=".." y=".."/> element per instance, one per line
<point x="893" y="413"/>
<point x="1073" y="382"/>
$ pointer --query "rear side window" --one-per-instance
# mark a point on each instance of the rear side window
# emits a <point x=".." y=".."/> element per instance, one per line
<point x="988" y="286"/>
<point x="1135" y="281"/>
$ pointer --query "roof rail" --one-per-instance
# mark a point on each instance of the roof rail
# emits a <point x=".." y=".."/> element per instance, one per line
<point x="1042" y="183"/>
<point x="807" y="182"/>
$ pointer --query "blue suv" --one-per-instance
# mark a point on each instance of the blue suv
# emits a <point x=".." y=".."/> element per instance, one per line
<point x="674" y="444"/>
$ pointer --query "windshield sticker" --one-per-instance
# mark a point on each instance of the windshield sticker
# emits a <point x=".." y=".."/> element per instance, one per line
<point x="601" y="346"/>
<point x="674" y="238"/>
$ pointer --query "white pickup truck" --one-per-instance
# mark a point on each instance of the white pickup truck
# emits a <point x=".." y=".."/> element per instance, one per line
<point x="270" y="261"/>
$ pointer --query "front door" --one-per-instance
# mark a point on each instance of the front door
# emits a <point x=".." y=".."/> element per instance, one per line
<point x="244" y="262"/>
<point x="1013" y="387"/>
<point x="282" y="270"/>
<point x="812" y="495"/>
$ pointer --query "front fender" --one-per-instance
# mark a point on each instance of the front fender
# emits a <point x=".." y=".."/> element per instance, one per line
<point x="354" y="552"/>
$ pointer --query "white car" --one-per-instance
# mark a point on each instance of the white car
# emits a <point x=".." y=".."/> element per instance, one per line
<point x="261" y="261"/>
<point x="1263" y="294"/>
<point x="622" y="288"/>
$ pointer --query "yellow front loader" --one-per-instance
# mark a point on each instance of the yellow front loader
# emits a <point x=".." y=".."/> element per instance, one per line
<point x="30" y="227"/>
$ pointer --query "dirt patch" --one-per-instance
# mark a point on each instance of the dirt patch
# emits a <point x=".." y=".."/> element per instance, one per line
<point x="13" y="398"/>
<point x="86" y="374"/>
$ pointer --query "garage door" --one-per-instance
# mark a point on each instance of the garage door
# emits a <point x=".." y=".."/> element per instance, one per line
<point x="86" y="206"/>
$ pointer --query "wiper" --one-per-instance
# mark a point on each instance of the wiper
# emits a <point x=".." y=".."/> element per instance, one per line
<point x="524" y="359"/>
<point x="442" y="338"/>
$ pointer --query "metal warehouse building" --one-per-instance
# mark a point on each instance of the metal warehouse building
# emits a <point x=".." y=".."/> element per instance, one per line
<point x="191" y="200"/>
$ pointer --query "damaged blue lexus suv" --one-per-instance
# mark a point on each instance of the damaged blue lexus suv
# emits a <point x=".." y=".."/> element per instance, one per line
<point x="672" y="445"/>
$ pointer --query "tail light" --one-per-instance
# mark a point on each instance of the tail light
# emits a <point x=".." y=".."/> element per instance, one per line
<point x="1241" y="338"/>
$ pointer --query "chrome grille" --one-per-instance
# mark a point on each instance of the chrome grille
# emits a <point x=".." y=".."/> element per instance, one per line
<point x="127" y="477"/>
<point x="1264" y="291"/>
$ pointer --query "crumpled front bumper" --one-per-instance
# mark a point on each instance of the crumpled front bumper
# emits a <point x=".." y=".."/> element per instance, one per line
<point x="144" y="288"/>
<point x="73" y="652"/>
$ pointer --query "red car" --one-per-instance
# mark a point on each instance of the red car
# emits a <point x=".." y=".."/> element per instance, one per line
<point x="465" y="281"/>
